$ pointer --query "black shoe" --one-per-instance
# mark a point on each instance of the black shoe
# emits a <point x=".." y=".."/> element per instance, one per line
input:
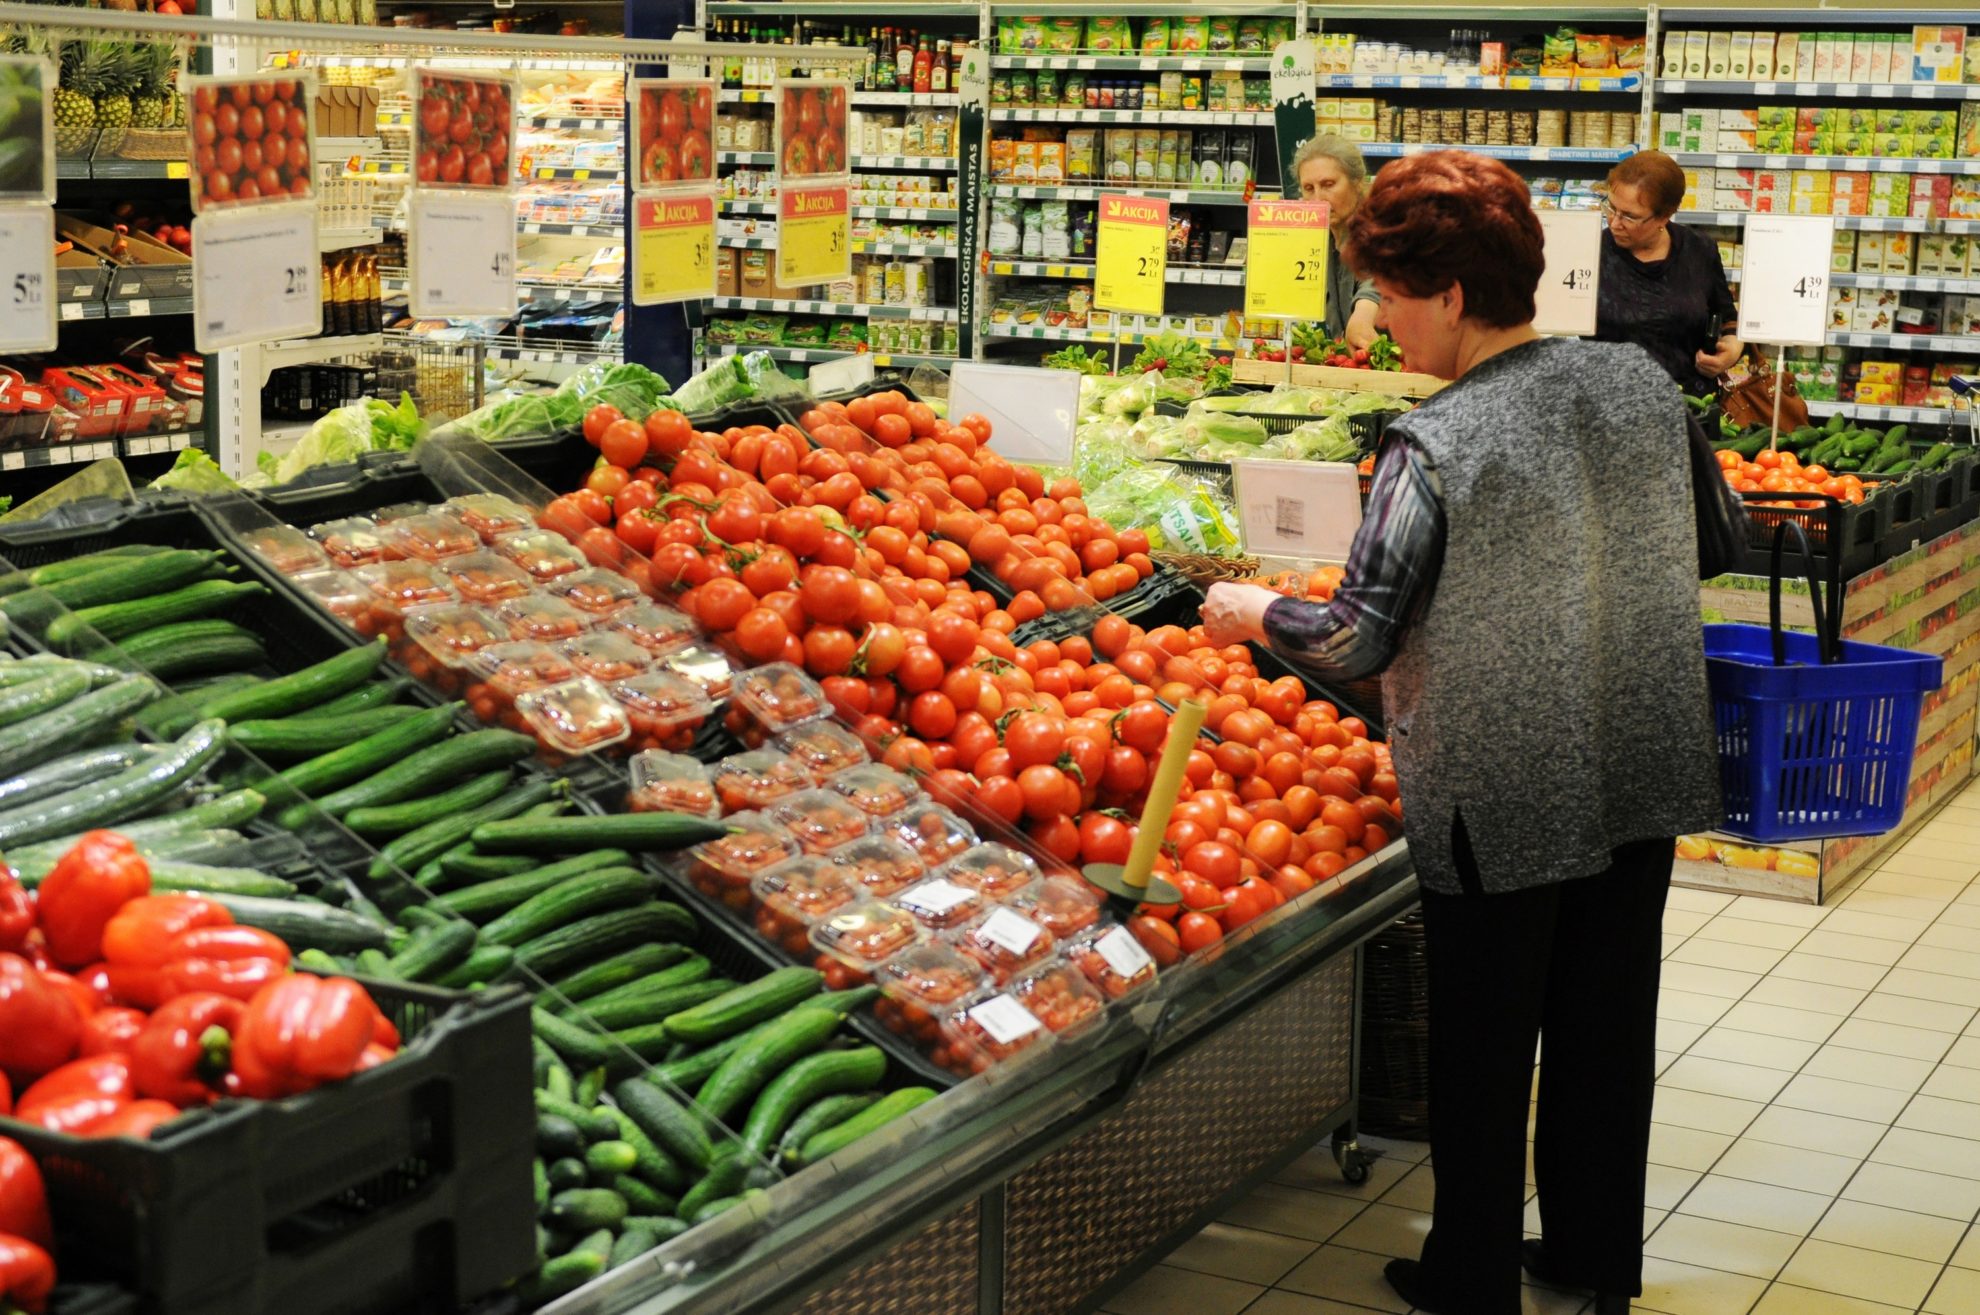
<point x="1412" y="1284"/>
<point x="1533" y="1255"/>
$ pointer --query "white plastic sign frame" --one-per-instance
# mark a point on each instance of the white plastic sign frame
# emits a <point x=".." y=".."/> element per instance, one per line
<point x="257" y="275"/>
<point x="29" y="319"/>
<point x="1565" y="301"/>
<point x="223" y="93"/>
<point x="34" y="180"/>
<point x="461" y="251"/>
<point x="504" y="174"/>
<point x="1031" y="410"/>
<point x="1784" y="284"/>
<point x="1307" y="510"/>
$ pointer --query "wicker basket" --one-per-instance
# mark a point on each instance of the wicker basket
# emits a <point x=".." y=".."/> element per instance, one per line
<point x="1205" y="570"/>
<point x="1395" y="1033"/>
<point x="154" y="144"/>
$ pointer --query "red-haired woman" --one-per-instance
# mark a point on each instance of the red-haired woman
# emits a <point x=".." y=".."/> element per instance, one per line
<point x="1548" y="714"/>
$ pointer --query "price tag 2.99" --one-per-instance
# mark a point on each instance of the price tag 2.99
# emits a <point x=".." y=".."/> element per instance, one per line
<point x="1565" y="301"/>
<point x="27" y="279"/>
<point x="673" y="248"/>
<point x="257" y="276"/>
<point x="1285" y="261"/>
<point x="462" y="254"/>
<point x="1131" y="261"/>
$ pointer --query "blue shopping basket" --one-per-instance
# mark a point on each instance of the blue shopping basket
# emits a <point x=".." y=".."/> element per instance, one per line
<point x="1816" y="732"/>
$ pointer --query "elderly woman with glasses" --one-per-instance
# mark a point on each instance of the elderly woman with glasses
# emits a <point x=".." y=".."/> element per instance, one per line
<point x="1332" y="170"/>
<point x="1663" y="286"/>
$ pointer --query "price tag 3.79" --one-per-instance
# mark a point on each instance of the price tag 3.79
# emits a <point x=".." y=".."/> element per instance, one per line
<point x="462" y="254"/>
<point x="257" y="276"/>
<point x="27" y="279"/>
<point x="673" y="248"/>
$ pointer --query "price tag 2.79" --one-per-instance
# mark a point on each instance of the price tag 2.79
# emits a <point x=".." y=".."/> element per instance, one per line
<point x="462" y="254"/>
<point x="27" y="279"/>
<point x="1285" y="264"/>
<point x="1131" y="268"/>
<point x="257" y="276"/>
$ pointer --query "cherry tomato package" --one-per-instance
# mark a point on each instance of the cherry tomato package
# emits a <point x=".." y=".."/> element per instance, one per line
<point x="999" y="871"/>
<point x="665" y="782"/>
<point x="606" y="657"/>
<point x="723" y="868"/>
<point x="821" y="821"/>
<point x="779" y="697"/>
<point x="931" y="831"/>
<point x="491" y="515"/>
<point x="288" y="550"/>
<point x="397" y="587"/>
<point x="757" y="779"/>
<point x="824" y="747"/>
<point x="1005" y="942"/>
<point x="707" y="667"/>
<point x="876" y="790"/>
<point x="665" y="710"/>
<point x="595" y="592"/>
<point x="576" y="717"/>
<point x="884" y="865"/>
<point x="354" y="541"/>
<point x="1059" y="996"/>
<point x="793" y="896"/>
<point x="342" y="597"/>
<point x="451" y="634"/>
<point x="654" y="627"/>
<point x="431" y="536"/>
<point x="865" y="935"/>
<point x="543" y="618"/>
<point x="920" y="982"/>
<point x="940" y="905"/>
<point x="543" y="554"/>
<point x="486" y="577"/>
<point x="986" y="1029"/>
<point x="1062" y="905"/>
<point x="1112" y="960"/>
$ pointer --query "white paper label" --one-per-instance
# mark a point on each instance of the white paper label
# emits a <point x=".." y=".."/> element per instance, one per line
<point x="1031" y="410"/>
<point x="463" y="254"/>
<point x="27" y="279"/>
<point x="257" y="276"/>
<point x="1565" y="299"/>
<point x="1304" y="509"/>
<point x="935" y="898"/>
<point x="1012" y="931"/>
<point x="1004" y="1019"/>
<point x="1784" y="284"/>
<point x="1123" y="953"/>
<point x="842" y="375"/>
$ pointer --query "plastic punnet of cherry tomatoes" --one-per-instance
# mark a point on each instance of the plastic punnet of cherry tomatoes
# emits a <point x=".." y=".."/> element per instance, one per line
<point x="1112" y="960"/>
<point x="1060" y="997"/>
<point x="824" y="747"/>
<point x="724" y="867"/>
<point x="793" y="896"/>
<point x="932" y="832"/>
<point x="865" y="935"/>
<point x="1005" y="942"/>
<point x="664" y="709"/>
<point x="486" y="577"/>
<point x="986" y="1029"/>
<point x="779" y="697"/>
<point x="576" y="717"/>
<point x="759" y="778"/>
<point x="999" y="871"/>
<point x="822" y="821"/>
<point x="921" y="981"/>
<point x="353" y="541"/>
<point x="665" y="782"/>
<point x="655" y="627"/>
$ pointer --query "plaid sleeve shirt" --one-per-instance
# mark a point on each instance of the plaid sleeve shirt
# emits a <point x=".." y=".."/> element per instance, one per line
<point x="1391" y="573"/>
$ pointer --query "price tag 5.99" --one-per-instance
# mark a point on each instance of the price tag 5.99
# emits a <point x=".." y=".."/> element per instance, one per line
<point x="257" y="276"/>
<point x="462" y="257"/>
<point x="27" y="279"/>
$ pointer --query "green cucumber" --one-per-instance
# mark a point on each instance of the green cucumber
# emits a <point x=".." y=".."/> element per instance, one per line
<point x="299" y="689"/>
<point x="766" y="997"/>
<point x="632" y="1242"/>
<point x="170" y="874"/>
<point x="72" y="726"/>
<point x="559" y="1136"/>
<point x="372" y="694"/>
<point x="831" y="1072"/>
<point x="127" y="794"/>
<point x="434" y="950"/>
<point x="565" y="1173"/>
<point x="187" y="648"/>
<point x="727" y="1171"/>
<point x="665" y="1227"/>
<point x="487" y="964"/>
<point x="641" y="1196"/>
<point x="647" y="1012"/>
<point x="634" y="831"/>
<point x="116" y="582"/>
<point x="113" y="621"/>
<point x="227" y="810"/>
<point x="596" y="1124"/>
<point x="616" y="971"/>
<point x="693" y="968"/>
<point x="44" y="694"/>
<point x="884" y="1111"/>
<point x="606" y="933"/>
<point x="567" y="901"/>
<point x="711" y="1207"/>
<point x="304" y="922"/>
<point x="372" y="754"/>
<point x="492" y="898"/>
<point x="414" y="849"/>
<point x="67" y="773"/>
<point x="676" y="1129"/>
<point x="747" y="1071"/>
<point x="462" y="865"/>
<point x="655" y="1167"/>
<point x="180" y="709"/>
<point x="301" y="737"/>
<point x="1935" y="456"/>
<point x="692" y="1070"/>
<point x="827" y="1112"/>
<point x="55" y="572"/>
<point x="609" y="1159"/>
<point x="569" y="1272"/>
<point x="388" y="820"/>
<point x="579" y="1045"/>
<point x="585" y="1208"/>
<point x="434" y="767"/>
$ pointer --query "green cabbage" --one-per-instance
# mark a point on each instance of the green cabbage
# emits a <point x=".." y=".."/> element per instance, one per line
<point x="193" y="472"/>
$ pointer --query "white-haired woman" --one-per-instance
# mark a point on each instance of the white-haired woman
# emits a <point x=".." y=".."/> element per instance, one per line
<point x="1332" y="170"/>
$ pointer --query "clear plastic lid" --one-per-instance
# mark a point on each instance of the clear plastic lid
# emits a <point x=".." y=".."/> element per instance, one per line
<point x="1112" y="960"/>
<point x="486" y="577"/>
<point x="1005" y="942"/>
<point x="595" y="591"/>
<point x="755" y="843"/>
<point x="655" y="628"/>
<point x="490" y="515"/>
<point x="661" y="704"/>
<point x="288" y="549"/>
<point x="941" y="905"/>
<point x="874" y="789"/>
<point x="997" y="870"/>
<point x="758" y="779"/>
<point x="705" y="666"/>
<point x="930" y="976"/>
<point x="931" y="831"/>
<point x="336" y="593"/>
<point x="454" y="632"/>
<point x="1059" y="996"/>
<point x="821" y="821"/>
<point x="665" y="782"/>
<point x="540" y="552"/>
<point x="522" y="665"/>
<point x="865" y="935"/>
<point x="805" y="889"/>
<point x="779" y="697"/>
<point x="606" y="657"/>
<point x="405" y="584"/>
<point x="353" y="541"/>
<point x="884" y="865"/>
<point x="986" y="1029"/>
<point x="824" y="747"/>
<point x="1062" y="905"/>
<point x="540" y="617"/>
<point x="432" y="536"/>
<point x="575" y="717"/>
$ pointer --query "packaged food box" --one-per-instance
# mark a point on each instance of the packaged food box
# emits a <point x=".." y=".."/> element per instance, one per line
<point x="724" y="867"/>
<point x="821" y="821"/>
<point x="449" y="635"/>
<point x="1059" y="996"/>
<point x="490" y="514"/>
<point x="1062" y="905"/>
<point x="919" y="983"/>
<point x="606" y="657"/>
<point x="543" y="554"/>
<point x="664" y="782"/>
<point x="823" y="747"/>
<point x="1004" y="942"/>
<point x="353" y="541"/>
<point x="1112" y="959"/>
<point x="485" y="577"/>
<point x="779" y="697"/>
<point x="594" y="591"/>
<point x="876" y="790"/>
<point x="999" y="871"/>
<point x="575" y="717"/>
<point x="941" y="905"/>
<point x="934" y="833"/>
<point x="665" y="709"/>
<point x="865" y="935"/>
<point x="987" y="1029"/>
<point x="655" y="628"/>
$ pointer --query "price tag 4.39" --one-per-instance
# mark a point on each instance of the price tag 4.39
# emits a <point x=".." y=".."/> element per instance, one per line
<point x="1565" y="301"/>
<point x="673" y="248"/>
<point x="462" y="257"/>
<point x="27" y="279"/>
<point x="257" y="276"/>
<point x="1285" y="263"/>
<point x="1783" y="287"/>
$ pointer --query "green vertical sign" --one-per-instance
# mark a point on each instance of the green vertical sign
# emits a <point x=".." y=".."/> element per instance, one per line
<point x="1293" y="91"/>
<point x="973" y="85"/>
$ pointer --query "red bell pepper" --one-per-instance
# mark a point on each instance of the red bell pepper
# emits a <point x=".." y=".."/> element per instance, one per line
<point x="110" y="1030"/>
<point x="23" y="1196"/>
<point x="16" y="912"/>
<point x="6" y="1094"/>
<point x="40" y="1025"/>
<point x="186" y="1051"/>
<point x="162" y="946"/>
<point x="84" y="891"/>
<point x="27" y="1274"/>
<point x="78" y="1094"/>
<point x="87" y="998"/>
<point x="301" y="1032"/>
<point x="144" y="929"/>
<point x="136" y="1119"/>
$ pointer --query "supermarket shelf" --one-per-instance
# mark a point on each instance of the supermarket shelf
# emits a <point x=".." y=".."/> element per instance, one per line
<point x="1472" y="82"/>
<point x="134" y="308"/>
<point x="1846" y="163"/>
<point x="486" y="60"/>
<point x="939" y="250"/>
<point x="911" y="213"/>
<point x="800" y="355"/>
<point x="304" y="351"/>
<point x="540" y="290"/>
<point x="1903" y="415"/>
<point x="901" y="100"/>
<point x="1232" y="277"/>
<point x="1910" y="342"/>
<point x="395" y="120"/>
<point x="747" y="207"/>
<point x="746" y="157"/>
<point x="547" y="174"/>
<point x="329" y="148"/>
<point x="748" y="243"/>
<point x="509" y="351"/>
<point x="65" y="454"/>
<point x="1226" y="118"/>
<point x="926" y="163"/>
<point x="1864" y="223"/>
<point x="149" y="445"/>
<point x="611" y="232"/>
<point x="1534" y="154"/>
<point x="572" y="125"/>
<point x="776" y="305"/>
<point x="1872" y="90"/>
<point x="129" y="169"/>
<point x="356" y="168"/>
<point x="1907" y="282"/>
<point x="1021" y="333"/>
<point x="1180" y="196"/>
<point x="1141" y="63"/>
<point x="341" y="239"/>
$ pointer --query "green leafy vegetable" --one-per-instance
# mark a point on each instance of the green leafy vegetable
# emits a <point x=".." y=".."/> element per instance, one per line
<point x="195" y="472"/>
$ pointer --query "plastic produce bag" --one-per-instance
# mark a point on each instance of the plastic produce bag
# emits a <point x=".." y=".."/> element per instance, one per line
<point x="1101" y="450"/>
<point x="1179" y="512"/>
<point x="630" y="387"/>
<point x="516" y="416"/>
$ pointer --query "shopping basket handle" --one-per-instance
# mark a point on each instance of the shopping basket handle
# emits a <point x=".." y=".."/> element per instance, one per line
<point x="1828" y="650"/>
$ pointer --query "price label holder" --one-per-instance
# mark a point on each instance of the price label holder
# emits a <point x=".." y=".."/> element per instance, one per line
<point x="1131" y="265"/>
<point x="257" y="275"/>
<point x="28" y="312"/>
<point x="462" y="254"/>
<point x="842" y="375"/>
<point x="1564" y="303"/>
<point x="1784" y="285"/>
<point x="1308" y="510"/>
<point x="673" y="248"/>
<point x="1285" y="261"/>
<point x="1032" y="411"/>
<point x="814" y="235"/>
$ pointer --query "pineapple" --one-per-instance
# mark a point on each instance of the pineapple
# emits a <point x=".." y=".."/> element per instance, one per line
<point x="152" y="107"/>
<point x="116" y="75"/>
<point x="75" y="109"/>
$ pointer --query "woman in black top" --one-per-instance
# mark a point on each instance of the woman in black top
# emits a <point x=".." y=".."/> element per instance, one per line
<point x="1663" y="286"/>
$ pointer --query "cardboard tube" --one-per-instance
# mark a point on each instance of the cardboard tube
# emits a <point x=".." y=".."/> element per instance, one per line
<point x="1162" y="794"/>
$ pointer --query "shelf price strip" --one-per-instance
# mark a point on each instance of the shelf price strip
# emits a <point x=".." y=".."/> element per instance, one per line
<point x="673" y="248"/>
<point x="1131" y="263"/>
<point x="814" y="235"/>
<point x="1285" y="265"/>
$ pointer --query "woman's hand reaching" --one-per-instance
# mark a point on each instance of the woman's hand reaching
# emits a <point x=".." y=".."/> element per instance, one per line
<point x="1235" y="613"/>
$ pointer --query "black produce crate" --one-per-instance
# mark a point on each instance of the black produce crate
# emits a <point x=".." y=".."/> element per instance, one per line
<point x="1217" y="473"/>
<point x="1368" y="427"/>
<point x="404" y="1188"/>
<point x="1168" y="597"/>
<point x="1860" y="544"/>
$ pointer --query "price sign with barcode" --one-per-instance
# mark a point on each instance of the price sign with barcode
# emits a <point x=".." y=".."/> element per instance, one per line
<point x="1565" y="300"/>
<point x="27" y="279"/>
<point x="461" y="254"/>
<point x="1784" y="284"/>
<point x="1308" y="510"/>
<point x="257" y="276"/>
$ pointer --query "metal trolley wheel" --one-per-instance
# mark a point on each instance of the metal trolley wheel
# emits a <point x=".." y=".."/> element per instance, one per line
<point x="1354" y="1162"/>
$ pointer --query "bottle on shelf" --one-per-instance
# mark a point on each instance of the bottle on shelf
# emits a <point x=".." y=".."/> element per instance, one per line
<point x="327" y="294"/>
<point x="904" y="61"/>
<point x="938" y="74"/>
<point x="924" y="64"/>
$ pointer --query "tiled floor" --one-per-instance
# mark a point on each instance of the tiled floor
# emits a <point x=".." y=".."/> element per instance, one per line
<point x="1816" y="1149"/>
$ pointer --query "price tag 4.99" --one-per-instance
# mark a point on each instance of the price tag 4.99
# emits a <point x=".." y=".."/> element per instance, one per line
<point x="257" y="276"/>
<point x="27" y="279"/>
<point x="462" y="254"/>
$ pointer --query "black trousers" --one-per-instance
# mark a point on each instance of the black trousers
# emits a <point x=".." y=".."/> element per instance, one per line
<point x="1576" y="965"/>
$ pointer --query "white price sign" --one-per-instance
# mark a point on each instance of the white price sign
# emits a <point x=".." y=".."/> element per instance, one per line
<point x="842" y="375"/>
<point x="1031" y="410"/>
<point x="257" y="276"/>
<point x="27" y="279"/>
<point x="1304" y="509"/>
<point x="1784" y="284"/>
<point x="1564" y="302"/>
<point x="462" y="254"/>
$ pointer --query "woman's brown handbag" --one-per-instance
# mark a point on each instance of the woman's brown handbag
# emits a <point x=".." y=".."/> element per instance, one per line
<point x="1746" y="394"/>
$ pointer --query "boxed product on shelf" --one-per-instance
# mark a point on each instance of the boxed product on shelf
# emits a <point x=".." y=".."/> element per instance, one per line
<point x="1938" y="53"/>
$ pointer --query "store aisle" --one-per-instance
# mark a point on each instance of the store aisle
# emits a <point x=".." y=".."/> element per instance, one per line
<point x="1817" y="1139"/>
